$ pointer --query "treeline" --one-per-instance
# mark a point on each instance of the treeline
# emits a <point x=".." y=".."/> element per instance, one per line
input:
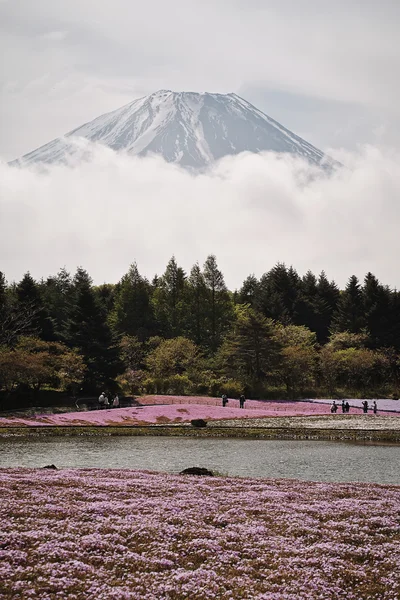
<point x="186" y="333"/>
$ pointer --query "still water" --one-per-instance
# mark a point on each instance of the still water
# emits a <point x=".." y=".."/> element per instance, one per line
<point x="307" y="460"/>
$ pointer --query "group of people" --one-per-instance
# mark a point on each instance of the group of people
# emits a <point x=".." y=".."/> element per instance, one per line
<point x="346" y="407"/>
<point x="104" y="401"/>
<point x="242" y="400"/>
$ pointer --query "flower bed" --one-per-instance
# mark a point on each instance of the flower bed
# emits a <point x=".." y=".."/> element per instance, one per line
<point x="128" y="535"/>
<point x="174" y="412"/>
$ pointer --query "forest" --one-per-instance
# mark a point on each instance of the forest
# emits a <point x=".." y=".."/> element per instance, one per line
<point x="280" y="336"/>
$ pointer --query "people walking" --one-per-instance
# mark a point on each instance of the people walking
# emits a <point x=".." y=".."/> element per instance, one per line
<point x="334" y="407"/>
<point x="365" y="406"/>
<point x="242" y="400"/>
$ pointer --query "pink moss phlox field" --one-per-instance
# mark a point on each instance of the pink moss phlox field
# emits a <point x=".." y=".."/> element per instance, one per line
<point x="127" y="535"/>
<point x="176" y="409"/>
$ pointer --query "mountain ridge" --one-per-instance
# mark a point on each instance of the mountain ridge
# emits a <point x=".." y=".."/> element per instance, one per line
<point x="189" y="128"/>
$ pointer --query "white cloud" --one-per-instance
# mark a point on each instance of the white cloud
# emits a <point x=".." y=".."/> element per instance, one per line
<point x="249" y="210"/>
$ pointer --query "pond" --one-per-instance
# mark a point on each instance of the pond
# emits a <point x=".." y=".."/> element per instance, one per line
<point x="306" y="460"/>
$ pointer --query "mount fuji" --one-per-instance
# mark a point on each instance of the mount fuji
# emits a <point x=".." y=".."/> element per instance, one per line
<point x="188" y="128"/>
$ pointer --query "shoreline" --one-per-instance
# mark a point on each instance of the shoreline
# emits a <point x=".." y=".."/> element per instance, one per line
<point x="391" y="436"/>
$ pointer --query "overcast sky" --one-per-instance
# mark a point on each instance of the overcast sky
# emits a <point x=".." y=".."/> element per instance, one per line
<point x="328" y="70"/>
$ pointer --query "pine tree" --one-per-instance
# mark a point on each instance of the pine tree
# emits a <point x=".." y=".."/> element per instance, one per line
<point x="56" y="294"/>
<point x="326" y="303"/>
<point x="133" y="312"/>
<point x="248" y="293"/>
<point x="88" y="331"/>
<point x="250" y="351"/>
<point x="377" y="304"/>
<point x="29" y="300"/>
<point x="169" y="300"/>
<point x="279" y="294"/>
<point x="196" y="306"/>
<point x="349" y="315"/>
<point x="219" y="306"/>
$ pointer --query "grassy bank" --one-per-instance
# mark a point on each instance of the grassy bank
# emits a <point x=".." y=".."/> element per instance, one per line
<point x="215" y="431"/>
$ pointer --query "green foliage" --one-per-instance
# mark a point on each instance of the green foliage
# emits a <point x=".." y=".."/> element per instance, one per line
<point x="34" y="363"/>
<point x="132" y="312"/>
<point x="281" y="335"/>
<point x="88" y="331"/>
<point x="176" y="356"/>
<point x="250" y="352"/>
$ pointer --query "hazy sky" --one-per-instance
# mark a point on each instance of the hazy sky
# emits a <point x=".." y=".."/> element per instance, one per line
<point x="326" y="69"/>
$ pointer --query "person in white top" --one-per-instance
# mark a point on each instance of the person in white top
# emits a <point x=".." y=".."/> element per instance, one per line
<point x="116" y="401"/>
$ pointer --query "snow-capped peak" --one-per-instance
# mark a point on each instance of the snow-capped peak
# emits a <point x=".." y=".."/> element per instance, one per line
<point x="190" y="128"/>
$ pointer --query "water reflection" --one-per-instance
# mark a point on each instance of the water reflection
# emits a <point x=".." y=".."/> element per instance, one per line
<point x="307" y="460"/>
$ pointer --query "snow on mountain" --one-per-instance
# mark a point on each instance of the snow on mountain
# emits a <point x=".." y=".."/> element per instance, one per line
<point x="188" y="128"/>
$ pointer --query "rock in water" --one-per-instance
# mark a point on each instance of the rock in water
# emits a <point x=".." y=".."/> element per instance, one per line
<point x="197" y="471"/>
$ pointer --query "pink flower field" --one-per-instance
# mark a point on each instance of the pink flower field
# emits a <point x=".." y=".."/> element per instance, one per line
<point x="126" y="535"/>
<point x="175" y="410"/>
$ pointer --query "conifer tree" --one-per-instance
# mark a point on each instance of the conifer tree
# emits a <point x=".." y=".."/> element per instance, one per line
<point x="169" y="300"/>
<point x="88" y="331"/>
<point x="29" y="300"/>
<point x="377" y="303"/>
<point x="133" y="312"/>
<point x="219" y="306"/>
<point x="196" y="305"/>
<point x="349" y="315"/>
<point x="249" y="292"/>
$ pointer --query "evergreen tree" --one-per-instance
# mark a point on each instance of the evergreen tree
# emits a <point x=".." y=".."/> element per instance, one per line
<point x="196" y="305"/>
<point x="219" y="306"/>
<point x="377" y="304"/>
<point x="133" y="312"/>
<point x="349" y="315"/>
<point x="250" y="352"/>
<point x="29" y="301"/>
<point x="56" y="293"/>
<point x="248" y="293"/>
<point x="279" y="294"/>
<point x="169" y="300"/>
<point x="88" y="331"/>
<point x="326" y="302"/>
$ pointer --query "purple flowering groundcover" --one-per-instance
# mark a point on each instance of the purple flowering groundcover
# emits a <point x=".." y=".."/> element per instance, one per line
<point x="99" y="534"/>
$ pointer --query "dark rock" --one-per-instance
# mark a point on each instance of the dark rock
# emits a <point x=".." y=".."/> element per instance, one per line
<point x="197" y="471"/>
<point x="199" y="423"/>
<point x="49" y="467"/>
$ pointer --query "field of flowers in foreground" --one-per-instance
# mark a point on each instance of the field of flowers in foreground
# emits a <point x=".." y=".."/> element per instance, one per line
<point x="98" y="534"/>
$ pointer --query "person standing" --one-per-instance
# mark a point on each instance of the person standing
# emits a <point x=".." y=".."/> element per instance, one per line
<point x="115" y="402"/>
<point x="347" y="406"/>
<point x="242" y="400"/>
<point x="334" y="407"/>
<point x="224" y="399"/>
<point x="374" y="407"/>
<point x="365" y="406"/>
<point x="343" y="406"/>
<point x="102" y="399"/>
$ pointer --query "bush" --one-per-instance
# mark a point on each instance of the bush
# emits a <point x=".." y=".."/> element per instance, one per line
<point x="231" y="387"/>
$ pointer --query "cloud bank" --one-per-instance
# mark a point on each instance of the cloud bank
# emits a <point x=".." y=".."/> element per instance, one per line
<point x="251" y="211"/>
